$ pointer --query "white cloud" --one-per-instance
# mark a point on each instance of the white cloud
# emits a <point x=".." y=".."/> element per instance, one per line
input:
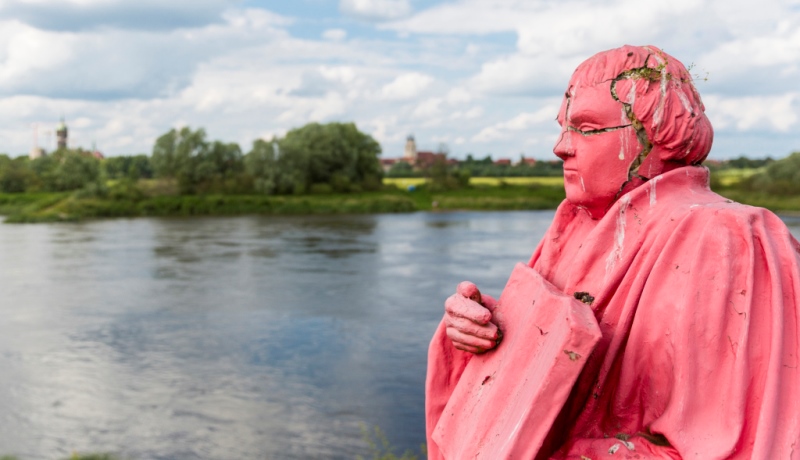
<point x="521" y="122"/>
<point x="113" y="64"/>
<point x="76" y="15"/>
<point x="495" y="68"/>
<point x="428" y="108"/>
<point x="770" y="113"/>
<point x="520" y="74"/>
<point x="376" y="9"/>
<point x="472" y="113"/>
<point x="406" y="86"/>
<point x="343" y="74"/>
<point x="458" y="96"/>
<point x="334" y="34"/>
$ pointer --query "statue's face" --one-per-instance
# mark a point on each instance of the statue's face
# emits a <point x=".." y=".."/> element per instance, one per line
<point x="598" y="145"/>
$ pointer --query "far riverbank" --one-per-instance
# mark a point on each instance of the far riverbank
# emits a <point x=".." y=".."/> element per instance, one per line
<point x="397" y="196"/>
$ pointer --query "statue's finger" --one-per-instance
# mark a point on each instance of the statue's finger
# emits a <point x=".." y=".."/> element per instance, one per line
<point x="457" y="336"/>
<point x="468" y="348"/>
<point x="486" y="331"/>
<point x="460" y="306"/>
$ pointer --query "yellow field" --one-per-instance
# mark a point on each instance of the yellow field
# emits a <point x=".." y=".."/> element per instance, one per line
<point x="728" y="177"/>
<point x="517" y="180"/>
<point x="405" y="182"/>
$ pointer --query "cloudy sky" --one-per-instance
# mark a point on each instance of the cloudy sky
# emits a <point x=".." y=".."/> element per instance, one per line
<point x="481" y="76"/>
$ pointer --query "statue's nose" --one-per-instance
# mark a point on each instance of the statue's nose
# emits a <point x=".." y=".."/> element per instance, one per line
<point x="564" y="147"/>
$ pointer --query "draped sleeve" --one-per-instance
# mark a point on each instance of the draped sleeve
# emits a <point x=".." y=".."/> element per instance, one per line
<point x="709" y="369"/>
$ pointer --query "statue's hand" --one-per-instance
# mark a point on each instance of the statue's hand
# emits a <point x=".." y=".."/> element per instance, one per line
<point x="468" y="317"/>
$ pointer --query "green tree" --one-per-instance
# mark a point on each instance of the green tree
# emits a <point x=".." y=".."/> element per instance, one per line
<point x="401" y="169"/>
<point x="15" y="174"/>
<point x="128" y="167"/>
<point x="260" y="164"/>
<point x="781" y="177"/>
<point x="66" y="169"/>
<point x="198" y="165"/>
<point x="174" y="150"/>
<point x="214" y="167"/>
<point x="337" y="154"/>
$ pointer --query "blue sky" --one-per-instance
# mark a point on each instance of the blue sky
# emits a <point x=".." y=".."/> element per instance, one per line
<point x="479" y="76"/>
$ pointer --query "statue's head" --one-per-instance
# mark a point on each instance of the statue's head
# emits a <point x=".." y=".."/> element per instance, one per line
<point x="629" y="114"/>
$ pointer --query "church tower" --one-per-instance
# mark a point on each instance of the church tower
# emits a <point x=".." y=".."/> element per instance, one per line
<point x="36" y="151"/>
<point x="410" y="153"/>
<point x="61" y="134"/>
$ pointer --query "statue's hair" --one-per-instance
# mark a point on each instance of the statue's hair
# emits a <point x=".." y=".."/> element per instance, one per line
<point x="659" y="97"/>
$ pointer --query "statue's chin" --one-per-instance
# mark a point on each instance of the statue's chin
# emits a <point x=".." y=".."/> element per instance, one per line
<point x="595" y="205"/>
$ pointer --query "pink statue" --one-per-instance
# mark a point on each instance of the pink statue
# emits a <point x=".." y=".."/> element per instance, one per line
<point x="656" y="319"/>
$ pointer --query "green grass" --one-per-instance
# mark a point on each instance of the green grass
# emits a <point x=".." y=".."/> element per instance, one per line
<point x="74" y="456"/>
<point x="775" y="203"/>
<point x="56" y="208"/>
<point x="499" y="198"/>
<point x="380" y="449"/>
<point x="517" y="193"/>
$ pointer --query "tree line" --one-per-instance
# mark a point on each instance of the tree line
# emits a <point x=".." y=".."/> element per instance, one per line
<point x="486" y="167"/>
<point x="334" y="157"/>
<point x="316" y="158"/>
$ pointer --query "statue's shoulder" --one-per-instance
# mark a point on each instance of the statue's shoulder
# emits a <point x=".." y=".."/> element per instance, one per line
<point x="714" y="215"/>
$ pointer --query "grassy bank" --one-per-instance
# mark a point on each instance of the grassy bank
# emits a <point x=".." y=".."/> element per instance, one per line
<point x="482" y="194"/>
<point x="58" y="207"/>
<point x="775" y="203"/>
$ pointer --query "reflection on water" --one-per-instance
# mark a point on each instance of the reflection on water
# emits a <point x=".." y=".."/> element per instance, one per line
<point x="231" y="338"/>
<point x="225" y="338"/>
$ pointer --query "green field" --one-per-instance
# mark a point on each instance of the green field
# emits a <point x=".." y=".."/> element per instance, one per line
<point x="732" y="177"/>
<point x="404" y="182"/>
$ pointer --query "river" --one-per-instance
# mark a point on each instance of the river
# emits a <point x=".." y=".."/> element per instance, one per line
<point x="234" y="338"/>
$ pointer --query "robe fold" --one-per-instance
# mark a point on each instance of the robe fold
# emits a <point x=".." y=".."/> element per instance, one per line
<point x="697" y="299"/>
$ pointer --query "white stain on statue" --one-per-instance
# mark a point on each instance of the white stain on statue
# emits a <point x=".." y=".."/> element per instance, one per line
<point x="624" y="138"/>
<point x="619" y="235"/>
<point x="653" y="183"/>
<point x="583" y="186"/>
<point x="629" y="445"/>
<point x="631" y="97"/>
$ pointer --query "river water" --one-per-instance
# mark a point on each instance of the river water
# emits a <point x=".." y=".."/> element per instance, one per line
<point x="234" y="338"/>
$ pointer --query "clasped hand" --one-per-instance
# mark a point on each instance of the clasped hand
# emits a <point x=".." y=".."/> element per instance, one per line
<point x="468" y="319"/>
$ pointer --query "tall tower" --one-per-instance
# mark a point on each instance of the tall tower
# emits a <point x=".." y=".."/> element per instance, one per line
<point x="61" y="134"/>
<point x="410" y="153"/>
<point x="36" y="151"/>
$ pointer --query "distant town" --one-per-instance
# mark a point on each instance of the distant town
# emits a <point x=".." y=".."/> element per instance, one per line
<point x="62" y="142"/>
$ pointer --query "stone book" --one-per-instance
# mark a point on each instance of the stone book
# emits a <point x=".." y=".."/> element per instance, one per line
<point x="507" y="399"/>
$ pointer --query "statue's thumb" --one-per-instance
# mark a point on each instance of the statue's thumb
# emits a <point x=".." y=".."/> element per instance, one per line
<point x="470" y="291"/>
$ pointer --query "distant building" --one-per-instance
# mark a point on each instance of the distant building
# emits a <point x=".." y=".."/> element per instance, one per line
<point x="96" y="153"/>
<point x="527" y="161"/>
<point x="427" y="159"/>
<point x="36" y="152"/>
<point x="417" y="159"/>
<point x="410" y="152"/>
<point x="61" y="134"/>
<point x="387" y="163"/>
<point x="503" y="162"/>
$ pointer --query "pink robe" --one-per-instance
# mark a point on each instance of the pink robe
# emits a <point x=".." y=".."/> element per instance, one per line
<point x="697" y="298"/>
